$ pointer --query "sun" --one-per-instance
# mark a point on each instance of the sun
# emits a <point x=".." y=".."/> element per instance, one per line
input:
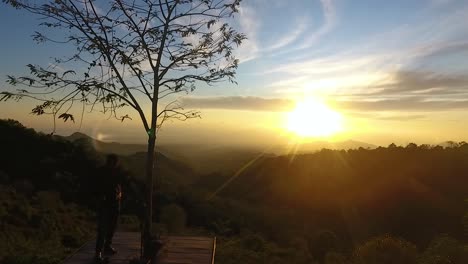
<point x="312" y="118"/>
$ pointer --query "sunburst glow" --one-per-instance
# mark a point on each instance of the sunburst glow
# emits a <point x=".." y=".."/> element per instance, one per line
<point x="312" y="118"/>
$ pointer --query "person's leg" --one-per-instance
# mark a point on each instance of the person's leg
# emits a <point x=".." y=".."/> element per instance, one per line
<point x="111" y="227"/>
<point x="101" y="231"/>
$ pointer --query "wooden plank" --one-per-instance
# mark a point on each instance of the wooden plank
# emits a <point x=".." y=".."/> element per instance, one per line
<point x="188" y="238"/>
<point x="187" y="245"/>
<point x="176" y="250"/>
<point x="127" y="245"/>
<point x="203" y="251"/>
<point x="187" y="250"/>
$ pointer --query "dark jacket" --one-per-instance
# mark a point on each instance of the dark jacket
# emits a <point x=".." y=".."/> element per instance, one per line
<point x="109" y="186"/>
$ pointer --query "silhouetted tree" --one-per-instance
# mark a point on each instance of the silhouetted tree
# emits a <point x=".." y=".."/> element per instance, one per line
<point x="452" y="144"/>
<point x="134" y="54"/>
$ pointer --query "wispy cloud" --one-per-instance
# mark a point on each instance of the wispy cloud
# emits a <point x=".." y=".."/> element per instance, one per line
<point x="424" y="83"/>
<point x="388" y="51"/>
<point x="249" y="103"/>
<point x="405" y="92"/>
<point x="419" y="104"/>
<point x="330" y="20"/>
<point x="249" y="25"/>
<point x="388" y="116"/>
<point x="290" y="37"/>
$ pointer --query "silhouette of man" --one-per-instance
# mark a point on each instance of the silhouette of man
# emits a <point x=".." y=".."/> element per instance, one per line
<point x="109" y="195"/>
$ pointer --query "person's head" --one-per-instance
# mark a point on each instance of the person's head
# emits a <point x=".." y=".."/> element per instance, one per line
<point x="112" y="160"/>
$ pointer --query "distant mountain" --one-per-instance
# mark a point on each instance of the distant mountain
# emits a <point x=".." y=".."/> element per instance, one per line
<point x="172" y="170"/>
<point x="207" y="159"/>
<point x="108" y="147"/>
<point x="353" y="144"/>
<point x="77" y="136"/>
<point x="217" y="158"/>
<point x="314" y="146"/>
<point x="169" y="172"/>
<point x="202" y="158"/>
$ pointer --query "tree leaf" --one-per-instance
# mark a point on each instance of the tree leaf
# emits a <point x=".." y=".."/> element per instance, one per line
<point x="66" y="116"/>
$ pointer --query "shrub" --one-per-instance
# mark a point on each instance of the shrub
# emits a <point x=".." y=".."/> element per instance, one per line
<point x="334" y="258"/>
<point x="444" y="249"/>
<point x="386" y="250"/>
<point x="322" y="242"/>
<point x="174" y="217"/>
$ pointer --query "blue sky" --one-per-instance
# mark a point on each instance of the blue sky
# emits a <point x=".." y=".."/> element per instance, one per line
<point x="381" y="63"/>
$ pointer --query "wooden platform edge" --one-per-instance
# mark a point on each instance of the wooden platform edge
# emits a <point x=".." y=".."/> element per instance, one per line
<point x="214" y="251"/>
<point x="76" y="251"/>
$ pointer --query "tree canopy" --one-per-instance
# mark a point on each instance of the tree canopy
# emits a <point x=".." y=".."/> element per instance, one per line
<point x="129" y="53"/>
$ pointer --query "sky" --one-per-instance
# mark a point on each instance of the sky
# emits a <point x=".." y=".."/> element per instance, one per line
<point x="395" y="71"/>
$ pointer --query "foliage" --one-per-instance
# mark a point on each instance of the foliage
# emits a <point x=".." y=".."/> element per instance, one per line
<point x="414" y="193"/>
<point x="386" y="250"/>
<point x="322" y="243"/>
<point x="174" y="217"/>
<point x="34" y="233"/>
<point x="335" y="258"/>
<point x="253" y="248"/>
<point x="444" y="249"/>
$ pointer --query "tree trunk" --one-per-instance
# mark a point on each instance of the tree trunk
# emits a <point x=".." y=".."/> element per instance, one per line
<point x="147" y="233"/>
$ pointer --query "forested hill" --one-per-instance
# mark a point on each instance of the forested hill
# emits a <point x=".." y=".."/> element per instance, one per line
<point x="413" y="192"/>
<point x="45" y="160"/>
<point x="402" y="204"/>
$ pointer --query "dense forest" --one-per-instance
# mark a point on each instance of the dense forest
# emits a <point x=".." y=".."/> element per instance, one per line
<point x="365" y="206"/>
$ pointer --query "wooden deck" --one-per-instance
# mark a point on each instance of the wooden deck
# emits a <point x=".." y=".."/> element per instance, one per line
<point x="185" y="250"/>
<point x="176" y="250"/>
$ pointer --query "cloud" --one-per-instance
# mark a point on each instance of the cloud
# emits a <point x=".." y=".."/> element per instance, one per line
<point x="404" y="105"/>
<point x="438" y="53"/>
<point x="409" y="91"/>
<point x="289" y="82"/>
<point x="428" y="83"/>
<point x="324" y="65"/>
<point x="249" y="103"/>
<point x="290" y="37"/>
<point x="330" y="20"/>
<point x="403" y="117"/>
<point x="387" y="116"/>
<point x="351" y="104"/>
<point x="249" y="25"/>
<point x="384" y="51"/>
